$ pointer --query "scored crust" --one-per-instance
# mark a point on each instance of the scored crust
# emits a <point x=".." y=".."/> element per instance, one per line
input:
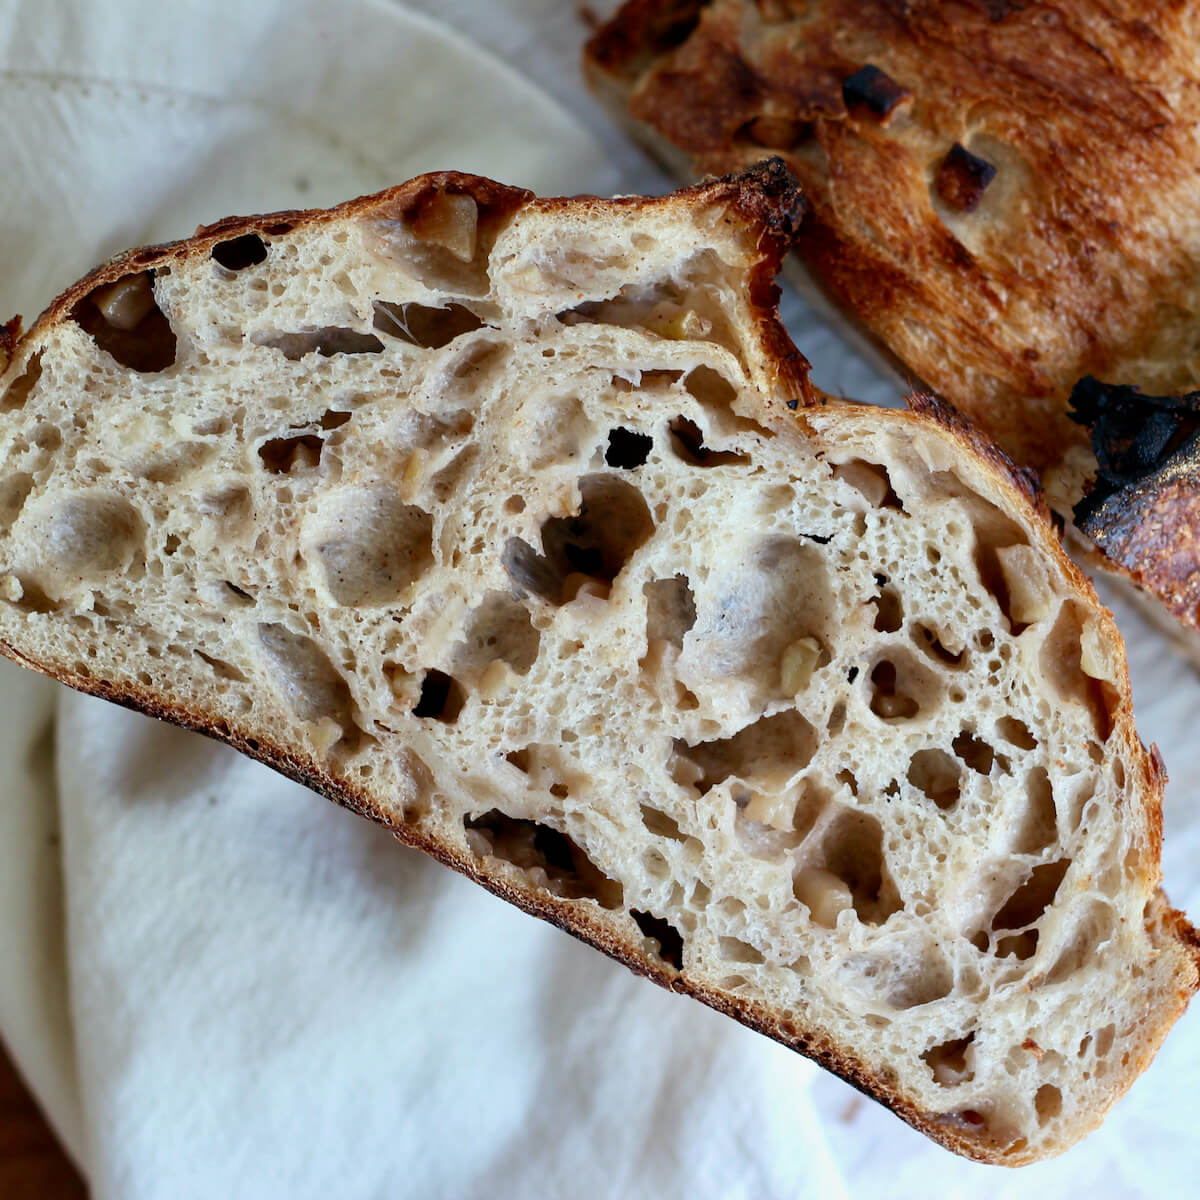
<point x="642" y="309"/>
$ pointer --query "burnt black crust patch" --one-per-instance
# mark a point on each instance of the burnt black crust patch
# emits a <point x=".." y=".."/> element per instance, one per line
<point x="1134" y="437"/>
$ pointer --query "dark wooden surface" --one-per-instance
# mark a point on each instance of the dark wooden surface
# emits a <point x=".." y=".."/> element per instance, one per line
<point x="32" y="1164"/>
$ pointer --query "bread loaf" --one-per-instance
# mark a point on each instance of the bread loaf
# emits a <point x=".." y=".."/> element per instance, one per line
<point x="516" y="525"/>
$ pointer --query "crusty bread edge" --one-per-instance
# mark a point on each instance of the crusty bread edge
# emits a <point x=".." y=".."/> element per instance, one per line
<point x="762" y="196"/>
<point x="766" y="197"/>
<point x="574" y="917"/>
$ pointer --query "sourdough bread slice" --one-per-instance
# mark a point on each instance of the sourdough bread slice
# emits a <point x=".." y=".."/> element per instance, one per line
<point x="515" y="525"/>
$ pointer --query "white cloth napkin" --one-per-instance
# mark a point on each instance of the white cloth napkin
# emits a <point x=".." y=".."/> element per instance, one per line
<point x="269" y="996"/>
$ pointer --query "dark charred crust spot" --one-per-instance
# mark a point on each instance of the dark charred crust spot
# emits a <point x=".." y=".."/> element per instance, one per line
<point x="997" y="10"/>
<point x="874" y="90"/>
<point x="962" y="178"/>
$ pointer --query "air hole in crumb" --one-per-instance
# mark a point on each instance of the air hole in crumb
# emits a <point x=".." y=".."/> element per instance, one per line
<point x="670" y="609"/>
<point x="367" y="545"/>
<point x="852" y="849"/>
<point x="442" y="698"/>
<point x="1062" y="665"/>
<point x="82" y="536"/>
<point x="124" y="320"/>
<point x="327" y="342"/>
<point x="14" y="491"/>
<point x="765" y="620"/>
<point x="1016" y="733"/>
<point x="735" y="950"/>
<point x="871" y="480"/>
<point x="1040" y="826"/>
<point x="22" y="386"/>
<point x="976" y="753"/>
<point x="889" y="611"/>
<point x="612" y="522"/>
<point x="47" y="437"/>
<point x="310" y="684"/>
<point x="765" y="754"/>
<point x="421" y="325"/>
<point x="240" y="594"/>
<point x="627" y="448"/>
<point x="948" y="1062"/>
<point x="500" y="628"/>
<point x="1094" y="925"/>
<point x="936" y="774"/>
<point x="713" y="391"/>
<point x="670" y="943"/>
<point x="661" y="825"/>
<point x="928" y="641"/>
<point x="1026" y="906"/>
<point x="550" y="858"/>
<point x="687" y="443"/>
<point x="890" y="699"/>
<point x="240" y="252"/>
<point x="656" y="866"/>
<point x="1048" y="1102"/>
<point x="514" y="505"/>
<point x="221" y="669"/>
<point x="33" y="597"/>
<point x="281" y="456"/>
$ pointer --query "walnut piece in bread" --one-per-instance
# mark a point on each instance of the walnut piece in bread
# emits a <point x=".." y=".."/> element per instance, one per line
<point x="516" y="526"/>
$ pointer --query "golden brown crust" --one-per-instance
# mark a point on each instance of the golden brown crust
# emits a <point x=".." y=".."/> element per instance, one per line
<point x="1075" y="261"/>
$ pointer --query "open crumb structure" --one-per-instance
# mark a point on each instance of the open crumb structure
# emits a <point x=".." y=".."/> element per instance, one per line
<point x="516" y="525"/>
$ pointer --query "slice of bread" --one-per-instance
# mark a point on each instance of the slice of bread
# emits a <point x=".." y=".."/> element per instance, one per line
<point x="515" y="525"/>
<point x="1005" y="194"/>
